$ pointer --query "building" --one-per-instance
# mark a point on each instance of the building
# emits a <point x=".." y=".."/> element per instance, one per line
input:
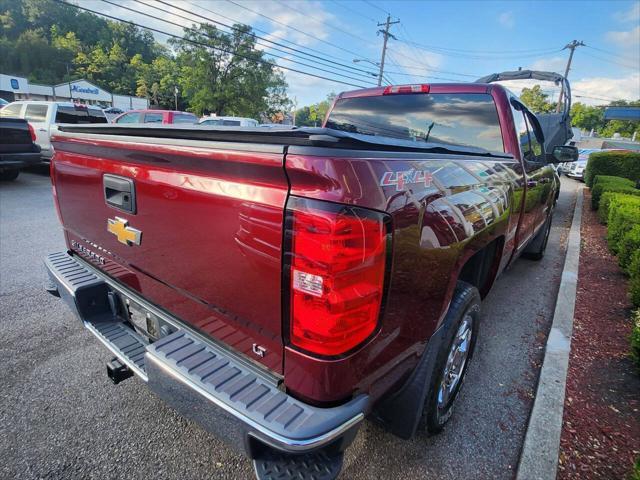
<point x="80" y="91"/>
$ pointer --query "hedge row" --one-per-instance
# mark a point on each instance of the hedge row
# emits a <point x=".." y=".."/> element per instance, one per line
<point x="613" y="163"/>
<point x="606" y="183"/>
<point x="635" y="354"/>
<point x="623" y="235"/>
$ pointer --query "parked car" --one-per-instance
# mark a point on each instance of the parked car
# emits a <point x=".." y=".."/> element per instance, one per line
<point x="576" y="169"/>
<point x="279" y="286"/>
<point x="17" y="147"/>
<point x="166" y="117"/>
<point x="45" y="117"/>
<point x="228" y="122"/>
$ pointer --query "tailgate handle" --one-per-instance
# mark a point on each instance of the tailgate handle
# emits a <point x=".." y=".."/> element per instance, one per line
<point x="120" y="192"/>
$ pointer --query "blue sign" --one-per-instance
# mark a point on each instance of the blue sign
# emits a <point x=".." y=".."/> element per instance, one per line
<point x="14" y="84"/>
<point x="92" y="91"/>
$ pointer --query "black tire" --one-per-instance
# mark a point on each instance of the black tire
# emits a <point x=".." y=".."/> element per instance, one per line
<point x="9" y="175"/>
<point x="538" y="245"/>
<point x="465" y="306"/>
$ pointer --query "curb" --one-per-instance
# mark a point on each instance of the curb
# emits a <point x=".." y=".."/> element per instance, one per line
<point x="539" y="457"/>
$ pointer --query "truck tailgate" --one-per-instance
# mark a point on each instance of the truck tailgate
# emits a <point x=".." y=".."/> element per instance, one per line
<point x="210" y="217"/>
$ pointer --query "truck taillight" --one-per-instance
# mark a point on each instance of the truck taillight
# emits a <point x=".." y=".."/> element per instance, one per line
<point x="336" y="265"/>
<point x="400" y="89"/>
<point x="32" y="132"/>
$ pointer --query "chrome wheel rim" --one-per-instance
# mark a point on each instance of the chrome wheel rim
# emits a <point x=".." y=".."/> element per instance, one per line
<point x="456" y="362"/>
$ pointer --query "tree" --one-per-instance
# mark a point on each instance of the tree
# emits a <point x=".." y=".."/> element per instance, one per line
<point x="225" y="74"/>
<point x="536" y="100"/>
<point x="625" y="128"/>
<point x="157" y="81"/>
<point x="313" y="115"/>
<point x="587" y="117"/>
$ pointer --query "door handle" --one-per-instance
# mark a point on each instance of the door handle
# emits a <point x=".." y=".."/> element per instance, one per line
<point x="42" y="129"/>
<point x="120" y="192"/>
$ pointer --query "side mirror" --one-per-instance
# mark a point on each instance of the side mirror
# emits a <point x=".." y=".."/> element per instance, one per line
<point x="563" y="153"/>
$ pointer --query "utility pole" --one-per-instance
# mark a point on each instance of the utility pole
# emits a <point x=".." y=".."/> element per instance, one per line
<point x="295" y="108"/>
<point x="175" y="95"/>
<point x="571" y="46"/>
<point x="386" y="34"/>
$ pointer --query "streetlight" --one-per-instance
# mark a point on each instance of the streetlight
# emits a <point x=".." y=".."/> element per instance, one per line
<point x="375" y="64"/>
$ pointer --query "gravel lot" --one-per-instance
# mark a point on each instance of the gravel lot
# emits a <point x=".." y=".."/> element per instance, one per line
<point x="62" y="418"/>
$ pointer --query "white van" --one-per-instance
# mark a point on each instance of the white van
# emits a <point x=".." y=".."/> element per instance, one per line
<point x="45" y="116"/>
<point x="228" y="122"/>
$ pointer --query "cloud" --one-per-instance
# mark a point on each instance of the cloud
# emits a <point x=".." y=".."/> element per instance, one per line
<point x="625" y="39"/>
<point x="553" y="64"/>
<point x="507" y="19"/>
<point x="601" y="89"/>
<point x="630" y="15"/>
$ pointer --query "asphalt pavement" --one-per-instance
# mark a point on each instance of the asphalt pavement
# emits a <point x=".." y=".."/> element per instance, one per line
<point x="61" y="417"/>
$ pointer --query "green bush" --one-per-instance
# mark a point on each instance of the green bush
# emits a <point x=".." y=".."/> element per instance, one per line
<point x="635" y="349"/>
<point x="608" y="199"/>
<point x="608" y="183"/>
<point x="635" y="474"/>
<point x="623" y="215"/>
<point x="618" y="163"/>
<point x="628" y="245"/>
<point x="612" y="179"/>
<point x="634" y="279"/>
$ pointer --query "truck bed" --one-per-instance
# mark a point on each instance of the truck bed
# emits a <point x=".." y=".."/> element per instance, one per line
<point x="210" y="212"/>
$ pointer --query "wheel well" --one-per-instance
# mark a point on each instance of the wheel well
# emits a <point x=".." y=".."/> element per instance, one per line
<point x="480" y="270"/>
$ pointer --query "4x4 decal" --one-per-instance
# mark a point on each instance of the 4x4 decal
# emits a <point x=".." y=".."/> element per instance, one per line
<point x="408" y="177"/>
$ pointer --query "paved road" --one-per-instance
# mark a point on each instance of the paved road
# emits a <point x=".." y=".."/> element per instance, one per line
<point x="62" y="418"/>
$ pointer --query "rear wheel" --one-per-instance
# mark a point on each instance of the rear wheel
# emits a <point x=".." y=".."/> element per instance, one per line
<point x="9" y="175"/>
<point x="454" y="356"/>
<point x="536" y="248"/>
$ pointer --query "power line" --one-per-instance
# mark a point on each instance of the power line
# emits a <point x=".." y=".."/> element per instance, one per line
<point x="351" y="67"/>
<point x="208" y="36"/>
<point x="257" y="42"/>
<point x="614" y="62"/>
<point x="479" y="55"/>
<point x="352" y="10"/>
<point x="162" y="32"/>
<point x="613" y="54"/>
<point x="293" y="28"/>
<point x="321" y="22"/>
<point x="376" y="6"/>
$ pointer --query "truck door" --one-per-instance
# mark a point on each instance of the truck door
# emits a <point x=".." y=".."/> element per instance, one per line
<point x="37" y="114"/>
<point x="539" y="174"/>
<point x="527" y="201"/>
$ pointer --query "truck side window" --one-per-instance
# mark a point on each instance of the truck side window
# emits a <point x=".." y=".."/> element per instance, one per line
<point x="521" y="130"/>
<point x="11" y="110"/>
<point x="152" y="118"/>
<point x="129" y="118"/>
<point x="537" y="153"/>
<point x="36" y="112"/>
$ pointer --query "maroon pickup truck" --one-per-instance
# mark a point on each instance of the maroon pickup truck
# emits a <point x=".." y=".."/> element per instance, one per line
<point x="279" y="287"/>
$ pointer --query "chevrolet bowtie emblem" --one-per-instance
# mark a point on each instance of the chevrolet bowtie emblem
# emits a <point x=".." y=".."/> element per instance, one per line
<point x="123" y="232"/>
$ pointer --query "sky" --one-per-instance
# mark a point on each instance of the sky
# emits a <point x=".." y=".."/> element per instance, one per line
<point x="435" y="41"/>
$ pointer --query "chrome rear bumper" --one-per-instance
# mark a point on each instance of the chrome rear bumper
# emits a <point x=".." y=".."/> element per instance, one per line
<point x="202" y="380"/>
